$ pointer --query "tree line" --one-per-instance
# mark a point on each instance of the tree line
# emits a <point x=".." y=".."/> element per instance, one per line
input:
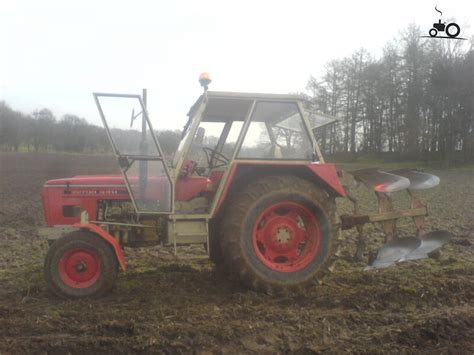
<point x="416" y="100"/>
<point x="42" y="131"/>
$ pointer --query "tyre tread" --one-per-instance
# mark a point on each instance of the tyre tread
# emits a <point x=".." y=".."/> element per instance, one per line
<point x="232" y="229"/>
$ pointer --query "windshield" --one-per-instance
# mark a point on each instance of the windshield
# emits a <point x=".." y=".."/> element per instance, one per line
<point x="221" y="123"/>
<point x="187" y="128"/>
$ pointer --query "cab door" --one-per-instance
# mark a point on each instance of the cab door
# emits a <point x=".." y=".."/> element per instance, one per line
<point x="138" y="152"/>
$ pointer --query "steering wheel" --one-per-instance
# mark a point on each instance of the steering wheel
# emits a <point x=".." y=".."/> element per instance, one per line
<point x="212" y="154"/>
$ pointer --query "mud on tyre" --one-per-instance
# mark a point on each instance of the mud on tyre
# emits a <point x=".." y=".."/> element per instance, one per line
<point x="80" y="264"/>
<point x="280" y="232"/>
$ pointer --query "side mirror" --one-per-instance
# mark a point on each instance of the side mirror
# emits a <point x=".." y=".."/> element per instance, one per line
<point x="200" y="135"/>
<point x="134" y="117"/>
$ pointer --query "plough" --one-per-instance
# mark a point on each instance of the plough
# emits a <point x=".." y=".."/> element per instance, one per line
<point x="384" y="184"/>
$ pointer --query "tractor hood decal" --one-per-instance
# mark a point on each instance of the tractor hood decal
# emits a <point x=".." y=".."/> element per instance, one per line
<point x="88" y="181"/>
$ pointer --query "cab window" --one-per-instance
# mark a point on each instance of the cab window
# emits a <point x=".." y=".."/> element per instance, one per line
<point x="276" y="131"/>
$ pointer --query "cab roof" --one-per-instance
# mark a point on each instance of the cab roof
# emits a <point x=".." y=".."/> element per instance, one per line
<point x="234" y="106"/>
<point x="225" y="105"/>
<point x="254" y="96"/>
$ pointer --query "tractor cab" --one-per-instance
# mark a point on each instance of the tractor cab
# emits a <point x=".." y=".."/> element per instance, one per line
<point x="223" y="130"/>
<point x="275" y="130"/>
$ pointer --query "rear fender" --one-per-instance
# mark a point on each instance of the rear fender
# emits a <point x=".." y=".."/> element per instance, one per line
<point x="327" y="174"/>
<point x="240" y="174"/>
<point x="108" y="238"/>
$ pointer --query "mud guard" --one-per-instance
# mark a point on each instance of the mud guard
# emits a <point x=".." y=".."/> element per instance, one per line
<point x="328" y="174"/>
<point x="321" y="173"/>
<point x="109" y="239"/>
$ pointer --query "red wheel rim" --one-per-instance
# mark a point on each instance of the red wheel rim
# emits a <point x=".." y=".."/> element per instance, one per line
<point x="286" y="237"/>
<point x="80" y="268"/>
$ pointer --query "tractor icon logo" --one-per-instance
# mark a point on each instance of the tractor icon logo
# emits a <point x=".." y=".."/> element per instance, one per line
<point x="452" y="29"/>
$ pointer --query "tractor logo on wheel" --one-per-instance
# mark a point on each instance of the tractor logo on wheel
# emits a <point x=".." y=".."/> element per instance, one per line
<point x="452" y="29"/>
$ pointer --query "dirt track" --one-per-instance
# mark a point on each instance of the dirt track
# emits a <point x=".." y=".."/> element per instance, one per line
<point x="163" y="304"/>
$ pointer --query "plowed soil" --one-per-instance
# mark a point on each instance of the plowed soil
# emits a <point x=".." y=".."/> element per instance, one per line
<point x="182" y="305"/>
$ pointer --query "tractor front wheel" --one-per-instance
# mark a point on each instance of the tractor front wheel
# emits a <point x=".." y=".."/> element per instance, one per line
<point x="80" y="264"/>
<point x="280" y="232"/>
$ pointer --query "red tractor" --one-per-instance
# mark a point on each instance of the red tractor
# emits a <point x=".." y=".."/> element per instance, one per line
<point x="247" y="181"/>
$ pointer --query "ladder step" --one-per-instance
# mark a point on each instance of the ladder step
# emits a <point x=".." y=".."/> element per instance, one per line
<point x="191" y="234"/>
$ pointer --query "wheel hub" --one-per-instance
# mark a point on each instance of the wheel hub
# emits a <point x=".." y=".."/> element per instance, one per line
<point x="280" y="234"/>
<point x="80" y="268"/>
<point x="283" y="235"/>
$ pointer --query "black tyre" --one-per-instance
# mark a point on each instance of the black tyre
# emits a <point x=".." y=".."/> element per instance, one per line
<point x="433" y="32"/>
<point x="215" y="251"/>
<point x="280" y="232"/>
<point x="452" y="30"/>
<point x="80" y="264"/>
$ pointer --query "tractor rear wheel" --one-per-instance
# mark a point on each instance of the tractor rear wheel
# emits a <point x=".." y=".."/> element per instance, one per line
<point x="80" y="264"/>
<point x="452" y="30"/>
<point x="280" y="232"/>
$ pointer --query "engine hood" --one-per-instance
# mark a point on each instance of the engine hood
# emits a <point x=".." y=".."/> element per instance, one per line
<point x="186" y="188"/>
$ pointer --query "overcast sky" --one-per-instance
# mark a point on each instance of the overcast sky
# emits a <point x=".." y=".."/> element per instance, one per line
<point x="56" y="53"/>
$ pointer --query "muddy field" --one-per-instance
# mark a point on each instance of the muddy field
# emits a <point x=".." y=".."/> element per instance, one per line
<point x="182" y="305"/>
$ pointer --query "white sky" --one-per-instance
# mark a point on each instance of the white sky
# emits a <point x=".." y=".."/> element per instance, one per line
<point x="56" y="53"/>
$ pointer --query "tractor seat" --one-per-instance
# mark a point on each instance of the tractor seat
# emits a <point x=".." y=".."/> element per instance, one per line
<point x="190" y="187"/>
